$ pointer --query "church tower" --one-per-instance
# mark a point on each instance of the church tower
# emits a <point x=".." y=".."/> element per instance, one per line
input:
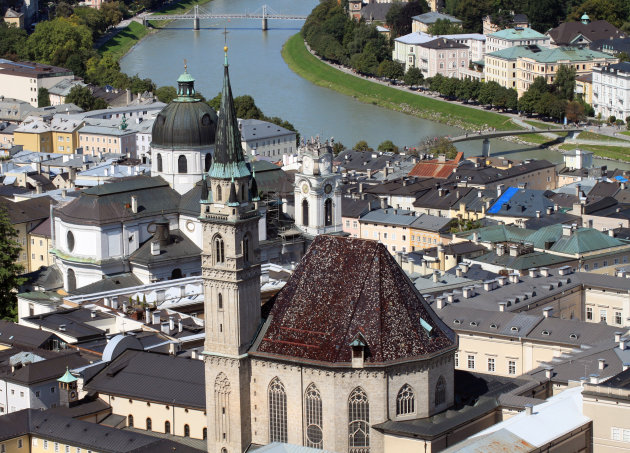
<point x="317" y="192"/>
<point x="231" y="274"/>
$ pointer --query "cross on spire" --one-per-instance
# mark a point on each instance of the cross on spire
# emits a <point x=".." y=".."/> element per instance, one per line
<point x="225" y="33"/>
<point x="185" y="65"/>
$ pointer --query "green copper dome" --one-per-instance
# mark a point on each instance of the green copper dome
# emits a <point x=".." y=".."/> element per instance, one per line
<point x="67" y="378"/>
<point x="186" y="122"/>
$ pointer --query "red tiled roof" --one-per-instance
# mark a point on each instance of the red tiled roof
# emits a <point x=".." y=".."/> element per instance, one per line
<point x="344" y="287"/>
<point x="436" y="169"/>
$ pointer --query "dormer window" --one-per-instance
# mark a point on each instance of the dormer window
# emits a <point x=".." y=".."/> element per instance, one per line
<point x="359" y="347"/>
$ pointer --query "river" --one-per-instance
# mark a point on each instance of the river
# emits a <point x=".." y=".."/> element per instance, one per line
<point x="257" y="68"/>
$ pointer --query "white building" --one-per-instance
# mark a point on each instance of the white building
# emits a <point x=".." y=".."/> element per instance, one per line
<point x="96" y="140"/>
<point x="23" y="80"/>
<point x="317" y="190"/>
<point x="511" y="37"/>
<point x="265" y="140"/>
<point x="611" y="90"/>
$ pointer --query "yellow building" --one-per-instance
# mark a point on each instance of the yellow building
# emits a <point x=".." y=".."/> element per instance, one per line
<point x="14" y="18"/>
<point x="40" y="243"/>
<point x="65" y="134"/>
<point x="35" y="136"/>
<point x="584" y="87"/>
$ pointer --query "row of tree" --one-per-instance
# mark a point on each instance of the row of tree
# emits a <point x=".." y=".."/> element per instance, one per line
<point x="490" y="93"/>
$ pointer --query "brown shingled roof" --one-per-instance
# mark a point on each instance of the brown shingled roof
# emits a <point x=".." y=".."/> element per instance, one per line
<point x="344" y="287"/>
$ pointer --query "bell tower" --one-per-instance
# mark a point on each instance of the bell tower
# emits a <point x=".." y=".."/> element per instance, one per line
<point x="231" y="275"/>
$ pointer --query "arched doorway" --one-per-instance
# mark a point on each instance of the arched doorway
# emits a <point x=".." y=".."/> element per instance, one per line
<point x="328" y="212"/>
<point x="177" y="273"/>
<point x="305" y="212"/>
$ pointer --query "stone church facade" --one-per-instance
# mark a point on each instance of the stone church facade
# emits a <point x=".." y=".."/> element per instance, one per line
<point x="348" y="342"/>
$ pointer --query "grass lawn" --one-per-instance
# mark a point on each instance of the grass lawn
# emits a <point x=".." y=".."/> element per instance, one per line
<point x="120" y="44"/>
<point x="612" y="152"/>
<point x="587" y="135"/>
<point x="309" y="67"/>
<point x="626" y="133"/>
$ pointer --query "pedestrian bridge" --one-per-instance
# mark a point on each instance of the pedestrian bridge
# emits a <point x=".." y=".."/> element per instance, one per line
<point x="264" y="14"/>
<point x="497" y="134"/>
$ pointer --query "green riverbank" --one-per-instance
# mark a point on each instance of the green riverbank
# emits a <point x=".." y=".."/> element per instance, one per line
<point x="303" y="63"/>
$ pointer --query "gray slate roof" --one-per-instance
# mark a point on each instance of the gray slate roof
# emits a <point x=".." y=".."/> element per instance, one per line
<point x="153" y="377"/>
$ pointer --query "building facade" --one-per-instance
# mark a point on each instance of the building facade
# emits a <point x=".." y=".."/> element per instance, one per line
<point x="611" y="90"/>
<point x="23" y="80"/>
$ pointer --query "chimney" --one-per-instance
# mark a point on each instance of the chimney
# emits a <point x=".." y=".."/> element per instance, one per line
<point x="180" y="325"/>
<point x="538" y="214"/>
<point x="450" y="297"/>
<point x="171" y="348"/>
<point x="171" y="323"/>
<point x="601" y="364"/>
<point x="578" y="190"/>
<point x="115" y="302"/>
<point x="566" y="230"/>
<point x="548" y="373"/>
<point x="533" y="272"/>
<point x="124" y="307"/>
<point x="64" y="193"/>
<point x="39" y="188"/>
<point x="502" y="306"/>
<point x="476" y="237"/>
<point x="165" y="327"/>
<point x="193" y="354"/>
<point x="62" y="327"/>
<point x="594" y="378"/>
<point x="549" y="210"/>
<point x="182" y="291"/>
<point x="436" y="276"/>
<point x="514" y="277"/>
<point x="465" y="266"/>
<point x="383" y="203"/>
<point x="156" y="317"/>
<point x="129" y="96"/>
<point x="440" y="303"/>
<point x="618" y="337"/>
<point x="501" y="280"/>
<point x="458" y="271"/>
<point x="622" y="344"/>
<point x="147" y="315"/>
<point x="529" y="409"/>
<point x="155" y="248"/>
<point x="544" y="272"/>
<point x="513" y="250"/>
<point x="611" y="233"/>
<point x="360" y="187"/>
<point x="500" y="189"/>
<point x="500" y="250"/>
<point x="488" y="285"/>
<point x="134" y="204"/>
<point x="547" y="312"/>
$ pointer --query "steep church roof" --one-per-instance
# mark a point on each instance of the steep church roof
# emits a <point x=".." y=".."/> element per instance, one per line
<point x="345" y="288"/>
<point x="228" y="161"/>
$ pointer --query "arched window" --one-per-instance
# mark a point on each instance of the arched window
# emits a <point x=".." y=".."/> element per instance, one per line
<point x="222" y="406"/>
<point x="159" y="162"/>
<point x="358" y="422"/>
<point x="219" y="250"/>
<point x="246" y="248"/>
<point x="70" y="241"/>
<point x="130" y="420"/>
<point x="72" y="280"/>
<point x="305" y="212"/>
<point x="313" y="418"/>
<point x="440" y="391"/>
<point x="219" y="196"/>
<point x="177" y="273"/>
<point x="205" y="433"/>
<point x="208" y="163"/>
<point x="186" y="431"/>
<point x="182" y="164"/>
<point x="167" y="427"/>
<point x="220" y="301"/>
<point x="328" y="212"/>
<point x="405" y="401"/>
<point x="277" y="412"/>
<point x="149" y="425"/>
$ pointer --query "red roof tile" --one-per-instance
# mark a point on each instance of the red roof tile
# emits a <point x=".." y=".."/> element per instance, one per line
<point x="344" y="287"/>
<point x="436" y="169"/>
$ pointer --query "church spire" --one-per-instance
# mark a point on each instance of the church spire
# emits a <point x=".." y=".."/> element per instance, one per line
<point x="228" y="161"/>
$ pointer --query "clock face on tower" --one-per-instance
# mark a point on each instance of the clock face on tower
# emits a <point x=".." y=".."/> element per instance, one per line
<point x="328" y="188"/>
<point x="304" y="188"/>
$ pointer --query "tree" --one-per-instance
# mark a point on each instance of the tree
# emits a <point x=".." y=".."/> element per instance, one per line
<point x="612" y="119"/>
<point x="565" y="82"/>
<point x="91" y="18"/>
<point x="623" y="56"/>
<point x="43" y="98"/>
<point x="82" y="97"/>
<point x="472" y="12"/>
<point x="12" y="40"/>
<point x="390" y="69"/>
<point x="444" y="146"/>
<point x="10" y="271"/>
<point x="388" y="146"/>
<point x="166" y="94"/>
<point x="613" y="11"/>
<point x="400" y="14"/>
<point x="575" y="111"/>
<point x="337" y="147"/>
<point x="413" y="76"/>
<point x="444" y="27"/>
<point x="54" y="41"/>
<point x="105" y="71"/>
<point x="362" y="145"/>
<point x="138" y="85"/>
<point x="112" y="12"/>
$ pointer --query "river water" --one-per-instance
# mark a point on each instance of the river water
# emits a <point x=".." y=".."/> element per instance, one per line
<point x="257" y="68"/>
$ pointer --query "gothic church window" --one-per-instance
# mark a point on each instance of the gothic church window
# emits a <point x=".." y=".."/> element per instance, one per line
<point x="358" y="422"/>
<point x="246" y="248"/>
<point x="405" y="401"/>
<point x="219" y="194"/>
<point x="440" y="391"/>
<point x="305" y="212"/>
<point x="159" y="162"/>
<point x="313" y="409"/>
<point x="219" y="250"/>
<point x="277" y="411"/>
<point x="221" y="404"/>
<point x="182" y="164"/>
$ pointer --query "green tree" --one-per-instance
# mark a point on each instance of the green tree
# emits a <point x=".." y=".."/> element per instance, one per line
<point x="364" y="63"/>
<point x="390" y="69"/>
<point x="91" y="18"/>
<point x="138" y="85"/>
<point x="55" y="40"/>
<point x="575" y="111"/>
<point x="613" y="11"/>
<point x="444" y="146"/>
<point x="444" y="27"/>
<point x="565" y="82"/>
<point x="623" y="56"/>
<point x="388" y="146"/>
<point x="528" y="103"/>
<point x="246" y="108"/>
<point x="12" y="41"/>
<point x="112" y="12"/>
<point x="413" y="76"/>
<point x="362" y="145"/>
<point x="472" y="12"/>
<point x="337" y="147"/>
<point x="10" y="271"/>
<point x="400" y="14"/>
<point x="543" y="14"/>
<point x="82" y="97"/>
<point x="166" y="94"/>
<point x="43" y="98"/>
<point x="105" y="71"/>
<point x="63" y="9"/>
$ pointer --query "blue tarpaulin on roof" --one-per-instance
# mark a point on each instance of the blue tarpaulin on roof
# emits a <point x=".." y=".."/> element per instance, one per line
<point x="504" y="198"/>
<point x="621" y="179"/>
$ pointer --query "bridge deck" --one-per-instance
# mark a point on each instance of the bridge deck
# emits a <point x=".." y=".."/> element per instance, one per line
<point x="224" y="16"/>
<point x="497" y="134"/>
